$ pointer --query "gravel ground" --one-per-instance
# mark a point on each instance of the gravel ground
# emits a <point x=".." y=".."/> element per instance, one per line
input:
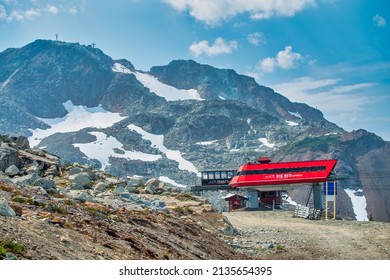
<point x="279" y="235"/>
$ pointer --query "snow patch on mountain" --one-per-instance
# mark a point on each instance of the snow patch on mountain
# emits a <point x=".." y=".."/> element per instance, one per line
<point x="104" y="147"/>
<point x="170" y="181"/>
<point x="206" y="143"/>
<point x="359" y="204"/>
<point x="78" y="117"/>
<point x="158" y="142"/>
<point x="154" y="85"/>
<point x="266" y="143"/>
<point x="291" y="123"/>
<point x="296" y="114"/>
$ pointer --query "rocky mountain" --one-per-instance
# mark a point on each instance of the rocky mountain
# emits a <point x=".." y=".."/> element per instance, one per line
<point x="175" y="120"/>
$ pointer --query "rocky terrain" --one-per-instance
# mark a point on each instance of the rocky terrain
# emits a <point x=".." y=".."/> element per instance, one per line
<point x="174" y="121"/>
<point x="49" y="211"/>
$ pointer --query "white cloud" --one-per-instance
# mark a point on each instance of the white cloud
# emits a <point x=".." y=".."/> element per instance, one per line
<point x="212" y="12"/>
<point x="28" y="10"/>
<point x="53" y="9"/>
<point x="220" y="46"/>
<point x="285" y="59"/>
<point x="20" y="15"/>
<point x="256" y="38"/>
<point x="72" y="11"/>
<point x="379" y="21"/>
<point x="268" y="65"/>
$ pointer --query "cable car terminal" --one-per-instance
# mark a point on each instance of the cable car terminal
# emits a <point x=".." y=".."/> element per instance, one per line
<point x="265" y="182"/>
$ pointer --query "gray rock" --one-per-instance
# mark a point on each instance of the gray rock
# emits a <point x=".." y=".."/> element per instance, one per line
<point x="45" y="184"/>
<point x="134" y="197"/>
<point x="150" y="189"/>
<point x="22" y="143"/>
<point x="82" y="179"/>
<point x="5" y="209"/>
<point x="152" y="182"/>
<point x="134" y="182"/>
<point x="125" y="195"/>
<point x="83" y="197"/>
<point x="8" y="156"/>
<point x="33" y="169"/>
<point x="132" y="189"/>
<point x="26" y="180"/>
<point x="75" y="170"/>
<point x="101" y="186"/>
<point x="75" y="186"/>
<point x="12" y="171"/>
<point x="158" y="203"/>
<point x="118" y="190"/>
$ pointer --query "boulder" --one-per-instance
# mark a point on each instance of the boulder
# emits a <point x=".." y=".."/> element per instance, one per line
<point x="150" y="189"/>
<point x="8" y="156"/>
<point x="22" y="143"/>
<point x="5" y="209"/>
<point x="152" y="182"/>
<point x="45" y="184"/>
<point x="12" y="171"/>
<point x="26" y="180"/>
<point x="101" y="186"/>
<point x="81" y="179"/>
<point x="134" y="182"/>
<point x="75" y="170"/>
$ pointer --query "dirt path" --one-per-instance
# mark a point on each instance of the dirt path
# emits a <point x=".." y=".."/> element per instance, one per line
<point x="278" y="235"/>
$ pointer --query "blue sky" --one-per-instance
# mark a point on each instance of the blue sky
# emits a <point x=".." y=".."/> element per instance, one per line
<point x="331" y="54"/>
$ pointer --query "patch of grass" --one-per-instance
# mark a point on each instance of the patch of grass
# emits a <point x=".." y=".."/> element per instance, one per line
<point x="23" y="199"/>
<point x="10" y="246"/>
<point x="166" y="255"/>
<point x="279" y="247"/>
<point x="59" y="210"/>
<point x="3" y="252"/>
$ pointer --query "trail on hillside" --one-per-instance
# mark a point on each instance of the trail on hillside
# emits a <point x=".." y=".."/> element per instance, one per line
<point x="279" y="235"/>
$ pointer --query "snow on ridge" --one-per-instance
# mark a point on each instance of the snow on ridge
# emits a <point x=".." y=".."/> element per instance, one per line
<point x="296" y="114"/>
<point x="158" y="142"/>
<point x="170" y="93"/>
<point x="103" y="148"/>
<point x="291" y="123"/>
<point x="266" y="143"/>
<point x="78" y="117"/>
<point x="170" y="181"/>
<point x="359" y="204"/>
<point x="206" y="143"/>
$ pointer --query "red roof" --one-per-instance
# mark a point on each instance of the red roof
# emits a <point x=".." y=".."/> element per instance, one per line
<point x="279" y="173"/>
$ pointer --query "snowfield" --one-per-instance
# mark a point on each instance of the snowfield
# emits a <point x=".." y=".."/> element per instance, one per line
<point x="104" y="148"/>
<point x="359" y="204"/>
<point x="154" y="85"/>
<point x="158" y="142"/>
<point x="78" y="117"/>
<point x="266" y="143"/>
